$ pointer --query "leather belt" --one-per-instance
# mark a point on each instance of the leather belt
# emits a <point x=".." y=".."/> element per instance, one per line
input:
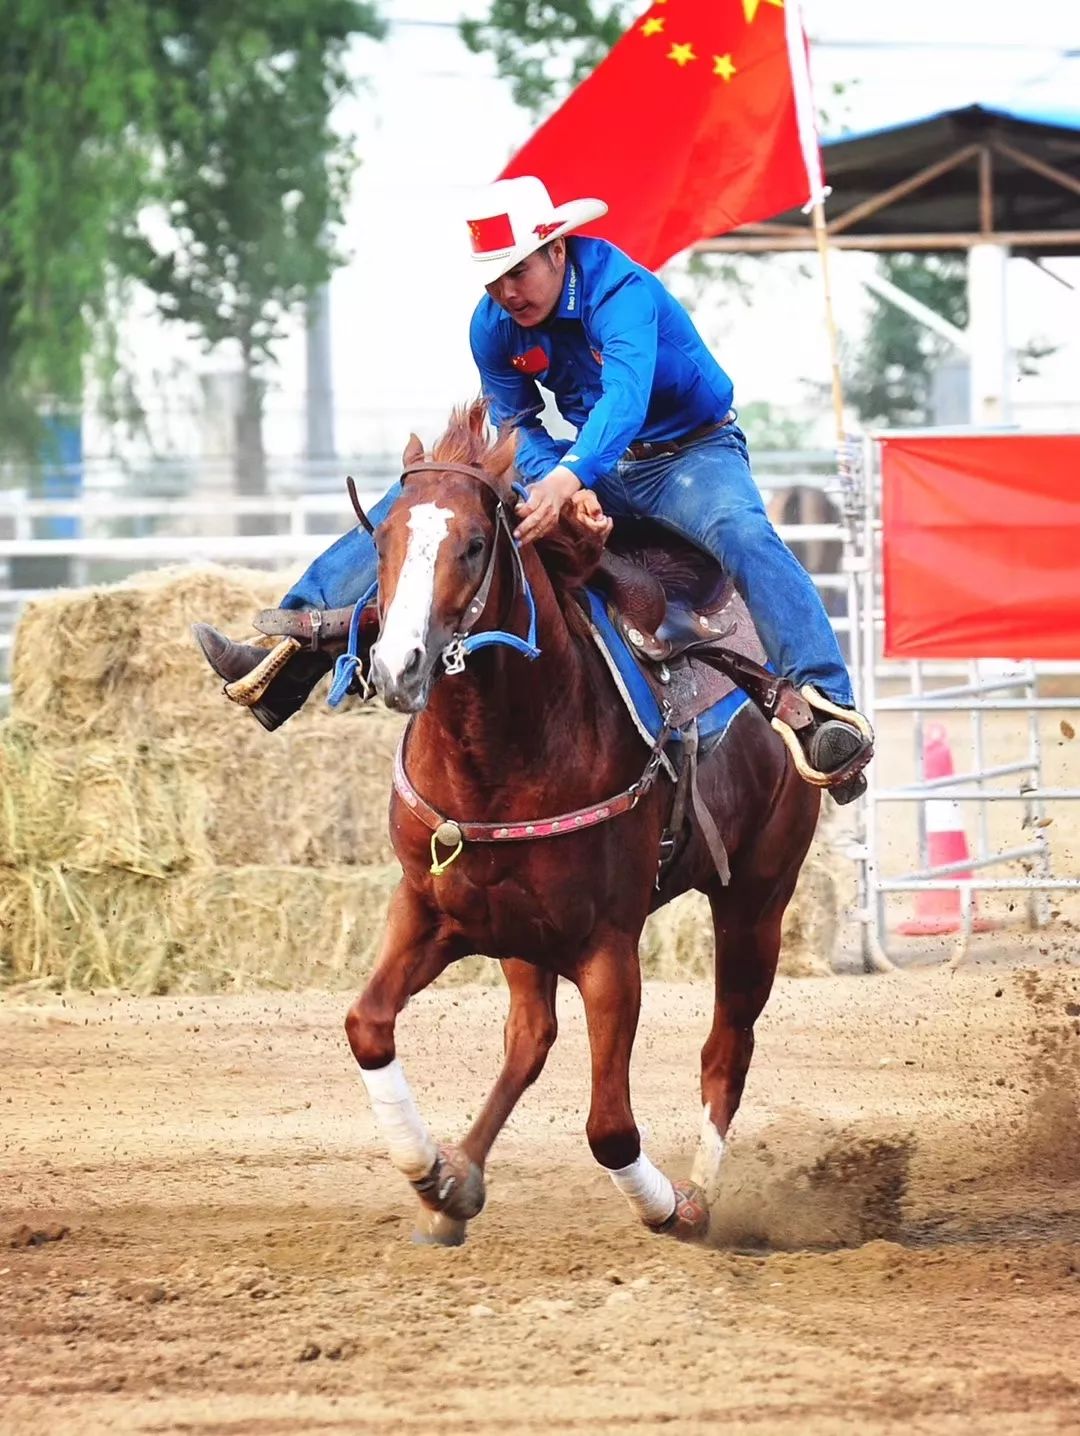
<point x="650" y="449"/>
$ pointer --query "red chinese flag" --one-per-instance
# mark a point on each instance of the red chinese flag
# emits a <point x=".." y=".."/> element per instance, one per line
<point x="699" y="120"/>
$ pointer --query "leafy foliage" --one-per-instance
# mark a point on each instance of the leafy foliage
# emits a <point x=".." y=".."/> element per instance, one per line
<point x="769" y="428"/>
<point x="546" y="47"/>
<point x="218" y="116"/>
<point x="251" y="175"/>
<point x="76" y="97"/>
<point x="889" y="379"/>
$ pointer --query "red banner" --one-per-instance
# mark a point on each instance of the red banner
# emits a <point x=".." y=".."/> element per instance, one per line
<point x="982" y="546"/>
<point x="689" y="128"/>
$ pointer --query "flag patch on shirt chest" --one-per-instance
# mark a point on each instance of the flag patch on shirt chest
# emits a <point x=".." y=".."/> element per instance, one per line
<point x="533" y="361"/>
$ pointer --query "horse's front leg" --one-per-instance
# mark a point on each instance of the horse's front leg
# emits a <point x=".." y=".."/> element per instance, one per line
<point x="412" y="956"/>
<point x="609" y="980"/>
<point x="531" y="1028"/>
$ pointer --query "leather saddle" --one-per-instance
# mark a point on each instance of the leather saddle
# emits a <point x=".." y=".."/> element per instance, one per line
<point x="675" y="607"/>
<point x="666" y="592"/>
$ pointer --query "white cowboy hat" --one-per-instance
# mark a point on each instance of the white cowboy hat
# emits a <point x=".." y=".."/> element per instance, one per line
<point x="515" y="217"/>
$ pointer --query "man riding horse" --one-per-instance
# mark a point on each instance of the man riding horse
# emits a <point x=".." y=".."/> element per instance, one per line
<point x="657" y="438"/>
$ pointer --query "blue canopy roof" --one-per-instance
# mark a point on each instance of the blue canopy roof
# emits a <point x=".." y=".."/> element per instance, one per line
<point x="1057" y="117"/>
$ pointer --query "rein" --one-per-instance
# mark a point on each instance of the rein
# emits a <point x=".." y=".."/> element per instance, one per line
<point x="451" y="833"/>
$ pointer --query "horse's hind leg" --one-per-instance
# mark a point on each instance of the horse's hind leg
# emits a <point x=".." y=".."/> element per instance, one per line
<point x="747" y="952"/>
<point x="609" y="981"/>
<point x="531" y="1028"/>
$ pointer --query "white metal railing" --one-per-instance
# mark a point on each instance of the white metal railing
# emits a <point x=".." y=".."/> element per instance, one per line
<point x="306" y="507"/>
<point x="988" y="689"/>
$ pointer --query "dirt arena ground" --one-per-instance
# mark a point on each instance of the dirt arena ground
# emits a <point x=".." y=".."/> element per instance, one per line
<point x="199" y="1231"/>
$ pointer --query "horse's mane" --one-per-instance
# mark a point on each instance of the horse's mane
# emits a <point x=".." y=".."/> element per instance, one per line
<point x="570" y="553"/>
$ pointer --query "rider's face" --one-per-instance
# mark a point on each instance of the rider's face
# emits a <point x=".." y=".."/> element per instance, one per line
<point x="531" y="290"/>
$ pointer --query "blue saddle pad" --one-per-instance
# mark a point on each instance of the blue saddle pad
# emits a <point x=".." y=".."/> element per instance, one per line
<point x="635" y="690"/>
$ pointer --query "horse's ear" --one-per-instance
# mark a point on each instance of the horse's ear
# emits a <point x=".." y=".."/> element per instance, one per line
<point x="414" y="452"/>
<point x="500" y="462"/>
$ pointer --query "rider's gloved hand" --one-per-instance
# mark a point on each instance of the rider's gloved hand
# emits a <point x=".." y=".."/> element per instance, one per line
<point x="546" y="500"/>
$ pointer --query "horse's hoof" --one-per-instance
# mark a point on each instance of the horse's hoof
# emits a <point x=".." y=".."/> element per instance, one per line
<point x="436" y="1229"/>
<point x="689" y="1222"/>
<point x="455" y="1186"/>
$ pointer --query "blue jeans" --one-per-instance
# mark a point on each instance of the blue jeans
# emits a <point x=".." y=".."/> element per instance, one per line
<point x="347" y="569"/>
<point x="707" y="494"/>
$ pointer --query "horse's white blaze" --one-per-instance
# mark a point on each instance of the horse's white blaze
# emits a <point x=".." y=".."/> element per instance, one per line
<point x="405" y="626"/>
<point x="705" y="1172"/>
<point x="650" y="1194"/>
<point x="412" y="1147"/>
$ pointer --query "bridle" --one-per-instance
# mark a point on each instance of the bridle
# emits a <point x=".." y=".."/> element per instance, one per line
<point x="463" y="641"/>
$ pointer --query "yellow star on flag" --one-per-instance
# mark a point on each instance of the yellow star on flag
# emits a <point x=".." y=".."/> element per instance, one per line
<point x="651" y="26"/>
<point x="722" y="65"/>
<point x="750" y="7"/>
<point x="681" y="54"/>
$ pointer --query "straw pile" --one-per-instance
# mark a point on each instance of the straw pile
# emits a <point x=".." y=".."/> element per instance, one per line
<point x="153" y="838"/>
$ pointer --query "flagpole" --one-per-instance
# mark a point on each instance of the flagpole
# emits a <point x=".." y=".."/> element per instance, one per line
<point x="806" y="122"/>
<point x="821" y="238"/>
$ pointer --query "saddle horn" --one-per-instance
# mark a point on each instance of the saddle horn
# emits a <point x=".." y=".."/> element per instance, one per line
<point x="358" y="508"/>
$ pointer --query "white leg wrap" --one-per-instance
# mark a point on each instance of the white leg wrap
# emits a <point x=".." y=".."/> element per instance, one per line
<point x="412" y="1149"/>
<point x="650" y="1194"/>
<point x="705" y="1172"/>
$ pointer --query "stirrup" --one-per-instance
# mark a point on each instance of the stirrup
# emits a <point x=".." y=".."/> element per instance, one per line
<point x="251" y="689"/>
<point x="854" y="719"/>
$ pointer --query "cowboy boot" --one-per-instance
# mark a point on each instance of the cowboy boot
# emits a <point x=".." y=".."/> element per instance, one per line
<point x="289" y="689"/>
<point x="831" y="746"/>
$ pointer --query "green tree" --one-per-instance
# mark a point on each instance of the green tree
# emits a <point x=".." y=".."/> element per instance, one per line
<point x="546" y="47"/>
<point x="252" y="174"/>
<point x="889" y="377"/>
<point x="218" y="114"/>
<point x="76" y="96"/>
<point x="770" y="428"/>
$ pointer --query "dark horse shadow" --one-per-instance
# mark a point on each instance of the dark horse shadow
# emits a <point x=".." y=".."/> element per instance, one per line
<point x="527" y="816"/>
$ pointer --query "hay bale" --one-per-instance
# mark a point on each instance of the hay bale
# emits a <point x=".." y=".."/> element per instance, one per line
<point x="177" y="804"/>
<point x="120" y="659"/>
<point x="221" y="930"/>
<point x="96" y="805"/>
<point x="123" y="752"/>
<point x="812" y="922"/>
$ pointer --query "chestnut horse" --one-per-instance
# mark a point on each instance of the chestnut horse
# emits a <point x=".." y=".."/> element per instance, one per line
<point x="506" y="739"/>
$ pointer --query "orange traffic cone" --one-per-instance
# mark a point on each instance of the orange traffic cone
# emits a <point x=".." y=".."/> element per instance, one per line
<point x="939" y="911"/>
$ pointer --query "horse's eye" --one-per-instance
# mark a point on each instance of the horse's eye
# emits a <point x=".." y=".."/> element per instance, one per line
<point x="475" y="547"/>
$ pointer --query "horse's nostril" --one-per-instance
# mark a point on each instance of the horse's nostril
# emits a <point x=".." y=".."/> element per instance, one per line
<point x="411" y="666"/>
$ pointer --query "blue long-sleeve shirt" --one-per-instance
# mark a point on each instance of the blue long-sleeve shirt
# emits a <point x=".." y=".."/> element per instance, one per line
<point x="620" y="355"/>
